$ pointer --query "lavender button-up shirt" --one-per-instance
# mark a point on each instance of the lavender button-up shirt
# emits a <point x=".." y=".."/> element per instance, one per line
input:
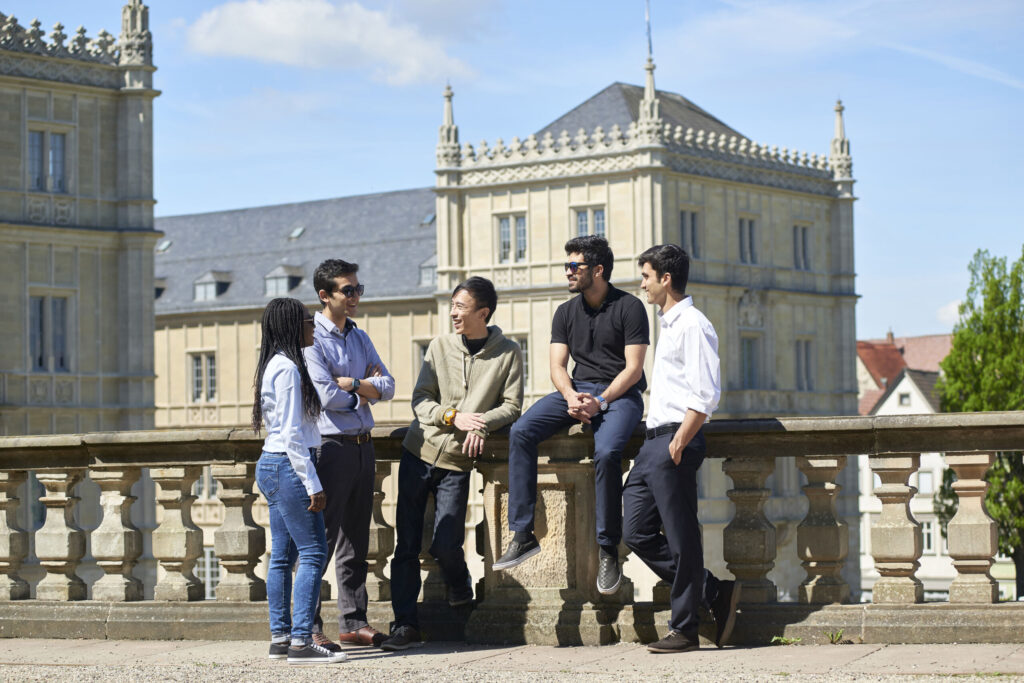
<point x="344" y="353"/>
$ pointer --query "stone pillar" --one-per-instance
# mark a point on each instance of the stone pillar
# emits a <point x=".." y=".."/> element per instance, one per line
<point x="13" y="539"/>
<point x="749" y="539"/>
<point x="972" y="535"/>
<point x="116" y="543"/>
<point x="239" y="542"/>
<point x="177" y="541"/>
<point x="382" y="540"/>
<point x="895" y="536"/>
<point x="823" y="540"/>
<point x="60" y="544"/>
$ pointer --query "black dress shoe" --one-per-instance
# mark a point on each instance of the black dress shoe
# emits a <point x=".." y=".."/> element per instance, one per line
<point x="675" y="642"/>
<point x="517" y="553"/>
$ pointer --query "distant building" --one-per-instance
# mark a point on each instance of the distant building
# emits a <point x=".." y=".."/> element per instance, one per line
<point x="76" y="227"/>
<point x="903" y="372"/>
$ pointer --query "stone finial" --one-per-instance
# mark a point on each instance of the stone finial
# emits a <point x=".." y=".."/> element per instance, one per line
<point x="839" y="156"/>
<point x="10" y="32"/>
<point x="136" y="42"/>
<point x="80" y="43"/>
<point x="103" y="45"/>
<point x="580" y="141"/>
<point x="448" y="134"/>
<point x="649" y="124"/>
<point x="33" y="40"/>
<point x="530" y="146"/>
<point x="563" y="141"/>
<point x="57" y="38"/>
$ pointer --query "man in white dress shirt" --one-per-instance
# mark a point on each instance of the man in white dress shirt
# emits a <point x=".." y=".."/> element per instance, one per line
<point x="659" y="498"/>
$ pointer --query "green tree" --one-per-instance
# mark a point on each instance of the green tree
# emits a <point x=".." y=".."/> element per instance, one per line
<point x="985" y="371"/>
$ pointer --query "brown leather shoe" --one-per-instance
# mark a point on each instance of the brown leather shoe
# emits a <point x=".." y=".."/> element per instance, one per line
<point x="367" y="635"/>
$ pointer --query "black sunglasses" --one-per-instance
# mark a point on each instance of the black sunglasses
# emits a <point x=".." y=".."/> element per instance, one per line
<point x="349" y="290"/>
<point x="573" y="266"/>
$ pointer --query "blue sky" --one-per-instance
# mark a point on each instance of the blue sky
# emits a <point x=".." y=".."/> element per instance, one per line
<point x="269" y="101"/>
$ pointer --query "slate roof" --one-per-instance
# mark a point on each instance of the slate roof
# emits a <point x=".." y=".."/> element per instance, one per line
<point x="384" y="233"/>
<point x="925" y="382"/>
<point x="620" y="103"/>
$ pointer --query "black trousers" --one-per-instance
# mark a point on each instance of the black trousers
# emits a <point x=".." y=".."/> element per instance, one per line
<point x="659" y="494"/>
<point x="346" y="471"/>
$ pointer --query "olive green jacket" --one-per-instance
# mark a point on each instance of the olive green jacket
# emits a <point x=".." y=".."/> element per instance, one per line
<point x="489" y="382"/>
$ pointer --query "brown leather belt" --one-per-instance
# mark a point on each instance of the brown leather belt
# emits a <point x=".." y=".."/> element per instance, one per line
<point x="350" y="438"/>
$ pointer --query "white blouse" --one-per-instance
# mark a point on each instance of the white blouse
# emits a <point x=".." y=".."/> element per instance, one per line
<point x="288" y="429"/>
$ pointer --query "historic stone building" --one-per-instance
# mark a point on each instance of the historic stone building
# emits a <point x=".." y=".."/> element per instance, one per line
<point x="76" y="227"/>
<point x="770" y="232"/>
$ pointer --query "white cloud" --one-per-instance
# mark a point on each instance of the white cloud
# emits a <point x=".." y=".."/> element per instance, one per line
<point x="965" y="66"/>
<point x="322" y="34"/>
<point x="949" y="314"/>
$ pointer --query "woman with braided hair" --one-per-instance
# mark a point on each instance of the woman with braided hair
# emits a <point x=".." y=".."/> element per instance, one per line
<point x="285" y="400"/>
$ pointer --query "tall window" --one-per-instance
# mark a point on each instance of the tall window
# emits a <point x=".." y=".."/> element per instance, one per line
<point x="748" y="240"/>
<point x="36" y="172"/>
<point x="591" y="222"/>
<point x="48" y="333"/>
<point x="688" y="238"/>
<point x="512" y="244"/>
<point x="47" y="159"/>
<point x="804" y="366"/>
<point x="204" y="376"/>
<point x="801" y="248"/>
<point x="208" y="571"/>
<point x="925" y="482"/>
<point x="750" y="362"/>
<point x="928" y="537"/>
<point x="524" y="344"/>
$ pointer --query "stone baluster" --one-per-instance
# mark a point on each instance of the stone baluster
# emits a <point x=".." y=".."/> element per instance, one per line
<point x="116" y="543"/>
<point x="177" y="542"/>
<point x="972" y="536"/>
<point x="239" y="542"/>
<point x="822" y="538"/>
<point x="13" y="539"/>
<point x="896" y="536"/>
<point x="60" y="544"/>
<point x="382" y="539"/>
<point x="749" y="539"/>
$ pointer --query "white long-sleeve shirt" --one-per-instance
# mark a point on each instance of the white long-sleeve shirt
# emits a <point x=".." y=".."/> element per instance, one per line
<point x="687" y="371"/>
<point x="288" y="429"/>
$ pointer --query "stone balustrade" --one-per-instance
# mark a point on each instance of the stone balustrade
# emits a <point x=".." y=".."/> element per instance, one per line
<point x="552" y="598"/>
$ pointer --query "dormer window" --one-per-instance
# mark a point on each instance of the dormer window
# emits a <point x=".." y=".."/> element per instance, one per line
<point x="428" y="272"/>
<point x="282" y="280"/>
<point x="211" y="285"/>
<point x="160" y="284"/>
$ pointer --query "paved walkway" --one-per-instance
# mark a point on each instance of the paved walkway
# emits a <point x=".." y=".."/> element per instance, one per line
<point x="89" y="660"/>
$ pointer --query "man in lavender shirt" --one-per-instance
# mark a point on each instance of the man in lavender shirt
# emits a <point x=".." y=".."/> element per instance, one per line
<point x="349" y="377"/>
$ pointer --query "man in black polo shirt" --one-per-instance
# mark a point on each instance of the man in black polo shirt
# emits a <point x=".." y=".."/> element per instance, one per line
<point x="605" y="331"/>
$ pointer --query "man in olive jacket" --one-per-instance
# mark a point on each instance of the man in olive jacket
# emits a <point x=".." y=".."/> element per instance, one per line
<point x="470" y="384"/>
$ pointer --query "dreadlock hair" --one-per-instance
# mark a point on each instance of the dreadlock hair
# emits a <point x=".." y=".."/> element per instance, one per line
<point x="282" y="323"/>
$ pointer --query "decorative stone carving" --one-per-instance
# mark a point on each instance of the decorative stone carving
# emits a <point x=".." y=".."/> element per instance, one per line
<point x="136" y="42"/>
<point x="895" y="536"/>
<point x="60" y="544"/>
<point x="63" y="210"/>
<point x="65" y="391"/>
<point x="38" y="210"/>
<point x="239" y="542"/>
<point x="822" y="539"/>
<point x="116" y="543"/>
<point x="751" y="309"/>
<point x="382" y="539"/>
<point x="39" y="391"/>
<point x="13" y="539"/>
<point x="749" y="538"/>
<point x="177" y="542"/>
<point x="972" y="535"/>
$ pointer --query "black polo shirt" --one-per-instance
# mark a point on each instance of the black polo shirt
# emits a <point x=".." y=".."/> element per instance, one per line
<point x="597" y="339"/>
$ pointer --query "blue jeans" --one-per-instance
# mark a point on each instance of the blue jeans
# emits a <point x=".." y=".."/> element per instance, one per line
<point x="612" y="430"/>
<point x="296" y="533"/>
<point x="417" y="480"/>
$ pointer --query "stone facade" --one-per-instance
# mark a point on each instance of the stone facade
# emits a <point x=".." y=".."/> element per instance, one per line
<point x="76" y="227"/>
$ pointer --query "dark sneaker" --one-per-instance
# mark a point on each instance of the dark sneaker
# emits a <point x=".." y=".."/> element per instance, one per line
<point x="517" y="553"/>
<point x="279" y="650"/>
<point x="461" y="597"/>
<point x="675" y="642"/>
<point x="608" y="575"/>
<point x="314" y="654"/>
<point x="724" y="610"/>
<point x="326" y="643"/>
<point x="402" y="638"/>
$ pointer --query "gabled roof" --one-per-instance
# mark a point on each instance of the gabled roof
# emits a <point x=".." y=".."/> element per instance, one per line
<point x="923" y="352"/>
<point x="882" y="359"/>
<point x="384" y="233"/>
<point x="620" y="103"/>
<point x="922" y="379"/>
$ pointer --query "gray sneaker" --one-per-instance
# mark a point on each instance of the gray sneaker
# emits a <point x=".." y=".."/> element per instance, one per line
<point x="517" y="553"/>
<point x="608" y="574"/>
<point x="402" y="638"/>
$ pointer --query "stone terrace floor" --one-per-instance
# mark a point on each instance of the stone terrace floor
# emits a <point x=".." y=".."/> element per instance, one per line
<point x="89" y="660"/>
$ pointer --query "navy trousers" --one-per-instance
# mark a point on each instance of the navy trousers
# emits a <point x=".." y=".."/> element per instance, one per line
<point x="662" y="495"/>
<point x="612" y="429"/>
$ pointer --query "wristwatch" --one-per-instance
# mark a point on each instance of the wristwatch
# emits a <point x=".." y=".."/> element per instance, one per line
<point x="602" y="404"/>
<point x="355" y="384"/>
<point x="449" y="416"/>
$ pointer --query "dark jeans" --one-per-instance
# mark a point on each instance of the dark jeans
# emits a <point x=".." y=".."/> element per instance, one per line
<point x="612" y="430"/>
<point x="417" y="481"/>
<point x="346" y="472"/>
<point x="660" y="494"/>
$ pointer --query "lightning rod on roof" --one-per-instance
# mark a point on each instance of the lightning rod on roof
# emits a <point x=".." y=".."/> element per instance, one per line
<point x="647" y="18"/>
